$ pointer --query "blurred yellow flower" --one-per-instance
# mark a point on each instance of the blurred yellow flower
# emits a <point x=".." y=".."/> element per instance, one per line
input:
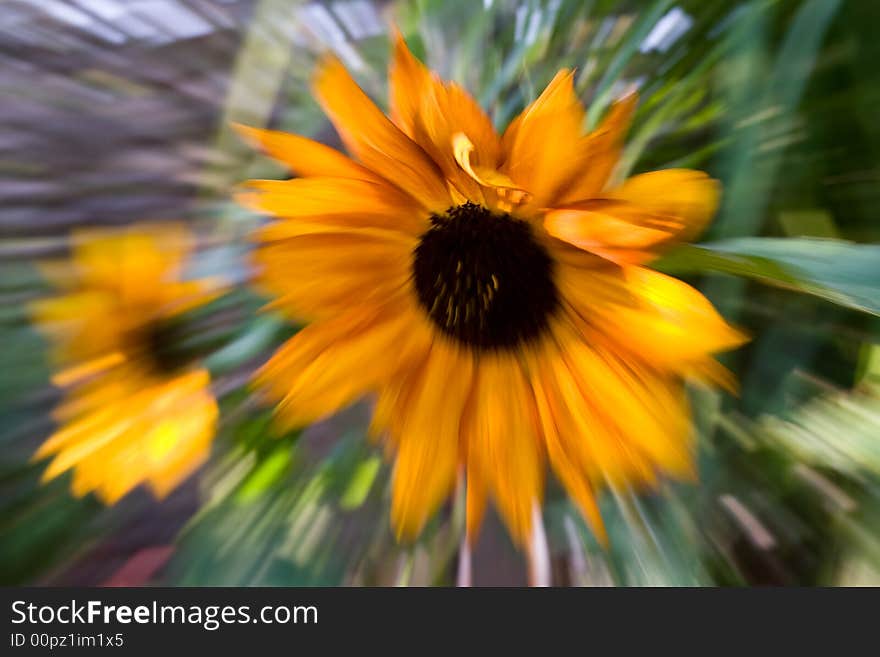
<point x="131" y="413"/>
<point x="490" y="290"/>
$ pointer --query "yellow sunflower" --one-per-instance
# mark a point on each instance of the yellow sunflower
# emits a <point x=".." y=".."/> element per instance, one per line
<point x="131" y="413"/>
<point x="489" y="290"/>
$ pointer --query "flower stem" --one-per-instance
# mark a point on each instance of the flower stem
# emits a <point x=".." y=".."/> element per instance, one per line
<point x="538" y="552"/>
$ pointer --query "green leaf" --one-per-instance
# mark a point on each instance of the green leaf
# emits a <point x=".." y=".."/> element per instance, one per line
<point x="266" y="474"/>
<point x="762" y="104"/>
<point x="261" y="334"/>
<point x="646" y="22"/>
<point x="842" y="272"/>
<point x="360" y="484"/>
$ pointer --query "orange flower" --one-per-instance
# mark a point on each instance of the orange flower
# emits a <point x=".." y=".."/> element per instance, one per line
<point x="490" y="290"/>
<point x="131" y="414"/>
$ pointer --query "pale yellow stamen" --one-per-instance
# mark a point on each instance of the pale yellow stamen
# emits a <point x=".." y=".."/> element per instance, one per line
<point x="508" y="192"/>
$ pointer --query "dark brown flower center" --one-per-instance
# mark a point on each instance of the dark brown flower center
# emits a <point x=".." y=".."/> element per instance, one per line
<point x="483" y="278"/>
<point x="172" y="344"/>
<point x="164" y="346"/>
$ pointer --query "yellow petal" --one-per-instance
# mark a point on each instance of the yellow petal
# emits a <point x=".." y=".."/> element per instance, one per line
<point x="183" y="296"/>
<point x="83" y="325"/>
<point x="156" y="432"/>
<point x="135" y="262"/>
<point x="87" y="369"/>
<point x="181" y="443"/>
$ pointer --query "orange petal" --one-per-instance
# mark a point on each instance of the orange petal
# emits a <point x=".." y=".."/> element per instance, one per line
<point x="306" y="157"/>
<point x="617" y="231"/>
<point x="687" y="198"/>
<point x="332" y="363"/>
<point x="562" y="450"/>
<point x="634" y="221"/>
<point x="375" y="140"/>
<point x="427" y="455"/>
<point x="337" y="202"/>
<point x="599" y="153"/>
<point x="503" y="448"/>
<point x="659" y="319"/>
<point x="408" y="81"/>
<point x="620" y="420"/>
<point x="433" y="112"/>
<point x="672" y="321"/>
<point x="320" y="275"/>
<point x="542" y="144"/>
<point x="645" y="413"/>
